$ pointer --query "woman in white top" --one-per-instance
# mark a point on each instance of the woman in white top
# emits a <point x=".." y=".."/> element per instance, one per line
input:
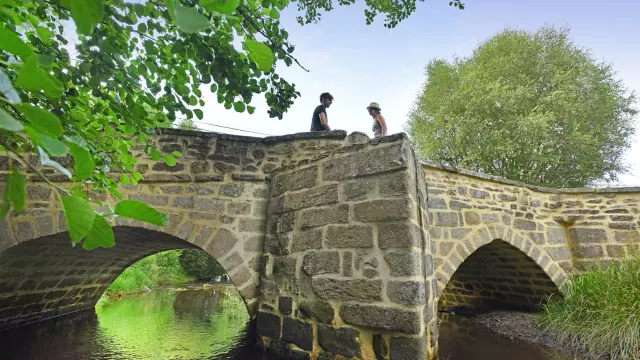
<point x="379" y="124"/>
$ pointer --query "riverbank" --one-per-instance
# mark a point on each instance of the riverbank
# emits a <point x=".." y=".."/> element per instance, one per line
<point x="519" y="326"/>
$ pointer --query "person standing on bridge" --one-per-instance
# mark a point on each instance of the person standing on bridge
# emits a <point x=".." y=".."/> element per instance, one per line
<point x="379" y="123"/>
<point x="319" y="121"/>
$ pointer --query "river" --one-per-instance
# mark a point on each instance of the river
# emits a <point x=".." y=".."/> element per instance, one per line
<point x="205" y="323"/>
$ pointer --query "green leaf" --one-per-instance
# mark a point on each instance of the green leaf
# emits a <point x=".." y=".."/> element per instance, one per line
<point x="274" y="14"/>
<point x="42" y="120"/>
<point x="7" y="122"/>
<point x="226" y="7"/>
<point x="15" y="192"/>
<point x="83" y="161"/>
<point x="80" y="216"/>
<point x="170" y="160"/>
<point x="251" y="109"/>
<point x="156" y="155"/>
<point x="11" y="42"/>
<point x="171" y="5"/>
<point x="52" y="145"/>
<point x="137" y="176"/>
<point x="45" y="34"/>
<point x="4" y="210"/>
<point x="177" y="154"/>
<point x="238" y="106"/>
<point x="86" y="13"/>
<point x="6" y="88"/>
<point x="100" y="235"/>
<point x="189" y="19"/>
<point x="46" y="161"/>
<point x="124" y="179"/>
<point x="138" y="210"/>
<point x="198" y="113"/>
<point x="32" y="78"/>
<point x="260" y="53"/>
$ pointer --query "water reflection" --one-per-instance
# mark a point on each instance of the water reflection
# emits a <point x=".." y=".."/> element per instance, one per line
<point x="460" y="339"/>
<point x="192" y="324"/>
<point x="206" y="324"/>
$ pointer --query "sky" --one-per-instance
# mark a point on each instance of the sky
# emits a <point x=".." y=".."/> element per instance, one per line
<point x="361" y="63"/>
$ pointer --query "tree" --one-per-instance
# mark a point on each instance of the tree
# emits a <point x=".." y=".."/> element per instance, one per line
<point x="531" y="107"/>
<point x="200" y="265"/>
<point x="135" y="66"/>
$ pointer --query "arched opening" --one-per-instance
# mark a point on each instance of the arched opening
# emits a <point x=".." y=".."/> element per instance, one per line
<point x="498" y="276"/>
<point x="46" y="277"/>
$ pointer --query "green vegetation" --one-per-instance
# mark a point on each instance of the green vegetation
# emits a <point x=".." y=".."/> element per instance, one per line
<point x="200" y="265"/>
<point x="159" y="269"/>
<point x="601" y="313"/>
<point x="133" y="67"/>
<point x="531" y="107"/>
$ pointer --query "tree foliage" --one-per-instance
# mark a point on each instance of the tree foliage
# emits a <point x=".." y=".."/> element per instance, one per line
<point x="135" y="66"/>
<point x="532" y="107"/>
<point x="200" y="265"/>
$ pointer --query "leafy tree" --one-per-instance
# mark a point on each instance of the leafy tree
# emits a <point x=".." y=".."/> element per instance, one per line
<point x="188" y="124"/>
<point x="135" y="66"/>
<point x="532" y="107"/>
<point x="200" y="265"/>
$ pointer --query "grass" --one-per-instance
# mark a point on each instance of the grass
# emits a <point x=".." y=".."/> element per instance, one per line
<point x="158" y="269"/>
<point x="600" y="315"/>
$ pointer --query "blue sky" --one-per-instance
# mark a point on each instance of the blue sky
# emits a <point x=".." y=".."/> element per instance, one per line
<point x="360" y="63"/>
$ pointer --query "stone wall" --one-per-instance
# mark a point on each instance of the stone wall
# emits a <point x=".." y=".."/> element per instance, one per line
<point x="215" y="197"/>
<point x="344" y="272"/>
<point x="563" y="232"/>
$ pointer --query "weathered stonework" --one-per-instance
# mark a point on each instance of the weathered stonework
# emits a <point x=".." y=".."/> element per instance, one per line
<point x="341" y="246"/>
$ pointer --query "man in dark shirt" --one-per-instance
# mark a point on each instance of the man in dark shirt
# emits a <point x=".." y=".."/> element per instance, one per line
<point x="319" y="121"/>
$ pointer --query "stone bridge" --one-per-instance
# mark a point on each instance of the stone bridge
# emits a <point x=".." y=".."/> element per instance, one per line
<point x="339" y="245"/>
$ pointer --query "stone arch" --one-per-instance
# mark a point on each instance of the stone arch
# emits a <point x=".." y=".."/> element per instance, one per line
<point x="46" y="277"/>
<point x="497" y="266"/>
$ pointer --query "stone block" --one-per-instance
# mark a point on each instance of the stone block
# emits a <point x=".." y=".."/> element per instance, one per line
<point x="298" y="332"/>
<point x="616" y="251"/>
<point x="239" y="208"/>
<point x="458" y="205"/>
<point x="280" y="223"/>
<point x="358" y="189"/>
<point x="306" y="240"/>
<point x="370" y="273"/>
<point x="321" y="262"/>
<point x="232" y="261"/>
<point x="338" y="214"/>
<point x="404" y="348"/>
<point x="347" y="263"/>
<point x="153" y="200"/>
<point x="559" y="253"/>
<point x="199" y="167"/>
<point x="589" y="235"/>
<point x="382" y="317"/>
<point x="278" y="244"/>
<point x="524" y="224"/>
<point x="403" y="263"/>
<point x="472" y="218"/>
<point x="163" y="167"/>
<point x="556" y="236"/>
<point x="398" y="235"/>
<point x="231" y="190"/>
<point x="460" y="233"/>
<point x="285" y="305"/>
<point x="285" y="266"/>
<point x="447" y="219"/>
<point x="268" y="325"/>
<point x="184" y="202"/>
<point x="395" y="184"/>
<point x="383" y="210"/>
<point x="350" y="236"/>
<point x="347" y="290"/>
<point x="479" y="194"/>
<point x="589" y="251"/>
<point x="38" y="193"/>
<point x="210" y="205"/>
<point x="341" y="341"/>
<point x="627" y="237"/>
<point x="251" y="225"/>
<point x="294" y="180"/>
<point x="44" y="225"/>
<point x="320" y="310"/>
<point x="408" y="292"/>
<point x="434" y="202"/>
<point x="318" y="196"/>
<point x="380" y="159"/>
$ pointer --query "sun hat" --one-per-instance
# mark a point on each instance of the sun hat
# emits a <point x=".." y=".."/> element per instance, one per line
<point x="374" y="105"/>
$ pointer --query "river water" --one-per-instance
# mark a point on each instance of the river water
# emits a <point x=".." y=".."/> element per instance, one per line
<point x="208" y="324"/>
